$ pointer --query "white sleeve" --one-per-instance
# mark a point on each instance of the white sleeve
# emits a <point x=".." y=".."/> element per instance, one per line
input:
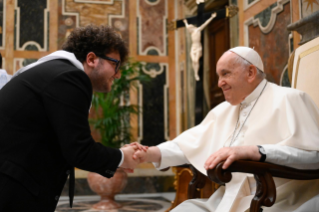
<point x="171" y="155"/>
<point x="292" y="157"/>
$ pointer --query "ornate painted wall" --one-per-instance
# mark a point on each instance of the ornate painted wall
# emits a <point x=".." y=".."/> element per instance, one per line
<point x="262" y="25"/>
<point x="268" y="35"/>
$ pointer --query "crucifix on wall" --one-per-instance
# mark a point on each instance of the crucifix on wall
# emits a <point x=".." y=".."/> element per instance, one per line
<point x="201" y="20"/>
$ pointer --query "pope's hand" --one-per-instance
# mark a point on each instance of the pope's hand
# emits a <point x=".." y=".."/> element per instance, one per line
<point x="141" y="156"/>
<point x="139" y="146"/>
<point x="231" y="154"/>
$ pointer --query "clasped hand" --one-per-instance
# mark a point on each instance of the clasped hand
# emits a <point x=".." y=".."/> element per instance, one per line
<point x="130" y="160"/>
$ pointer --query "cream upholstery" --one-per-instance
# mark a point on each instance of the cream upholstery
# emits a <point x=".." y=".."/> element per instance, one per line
<point x="306" y="69"/>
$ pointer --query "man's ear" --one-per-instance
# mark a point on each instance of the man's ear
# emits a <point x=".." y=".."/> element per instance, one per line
<point x="91" y="59"/>
<point x="252" y="73"/>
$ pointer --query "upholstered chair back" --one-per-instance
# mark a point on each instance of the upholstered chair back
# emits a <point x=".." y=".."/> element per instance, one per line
<point x="305" y="74"/>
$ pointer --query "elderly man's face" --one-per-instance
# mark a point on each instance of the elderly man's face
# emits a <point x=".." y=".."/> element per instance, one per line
<point x="232" y="79"/>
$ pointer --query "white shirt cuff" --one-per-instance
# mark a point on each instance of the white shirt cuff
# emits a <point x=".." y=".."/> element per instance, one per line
<point x="120" y="164"/>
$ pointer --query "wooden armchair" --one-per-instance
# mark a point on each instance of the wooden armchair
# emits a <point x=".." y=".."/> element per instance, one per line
<point x="263" y="173"/>
<point x="303" y="65"/>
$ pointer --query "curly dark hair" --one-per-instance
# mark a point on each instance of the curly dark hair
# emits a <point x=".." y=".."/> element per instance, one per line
<point x="100" y="40"/>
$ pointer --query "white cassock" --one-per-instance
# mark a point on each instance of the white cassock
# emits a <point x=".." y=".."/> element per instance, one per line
<point x="284" y="121"/>
<point x="4" y="77"/>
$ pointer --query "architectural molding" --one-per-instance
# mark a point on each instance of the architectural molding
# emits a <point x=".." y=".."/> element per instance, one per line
<point x="110" y="17"/>
<point x="76" y="14"/>
<point x="152" y="72"/>
<point x="152" y="3"/>
<point x="45" y="29"/>
<point x="95" y="1"/>
<point x="165" y="100"/>
<point x="247" y="5"/>
<point x="256" y="22"/>
<point x="140" y="51"/>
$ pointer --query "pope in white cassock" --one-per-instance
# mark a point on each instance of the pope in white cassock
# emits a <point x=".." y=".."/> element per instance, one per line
<point x="259" y="121"/>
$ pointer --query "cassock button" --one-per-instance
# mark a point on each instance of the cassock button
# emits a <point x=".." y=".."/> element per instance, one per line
<point x="56" y="198"/>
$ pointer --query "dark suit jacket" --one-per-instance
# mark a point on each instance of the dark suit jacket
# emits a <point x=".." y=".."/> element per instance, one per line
<point x="44" y="133"/>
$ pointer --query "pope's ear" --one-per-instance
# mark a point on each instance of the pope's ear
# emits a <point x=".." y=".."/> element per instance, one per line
<point x="252" y="73"/>
<point x="91" y="59"/>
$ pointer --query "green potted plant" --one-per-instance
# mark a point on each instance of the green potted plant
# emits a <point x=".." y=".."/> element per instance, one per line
<point x="112" y="121"/>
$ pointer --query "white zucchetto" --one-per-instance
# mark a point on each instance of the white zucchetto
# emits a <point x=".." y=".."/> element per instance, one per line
<point x="250" y="55"/>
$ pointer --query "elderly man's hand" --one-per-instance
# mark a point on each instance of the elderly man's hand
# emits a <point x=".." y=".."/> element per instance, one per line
<point x="231" y="154"/>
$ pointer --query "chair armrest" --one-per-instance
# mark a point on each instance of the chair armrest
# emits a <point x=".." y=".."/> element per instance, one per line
<point x="263" y="173"/>
<point x="222" y="176"/>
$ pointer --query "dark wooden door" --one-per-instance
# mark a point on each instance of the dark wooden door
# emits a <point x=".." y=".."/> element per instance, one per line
<point x="219" y="42"/>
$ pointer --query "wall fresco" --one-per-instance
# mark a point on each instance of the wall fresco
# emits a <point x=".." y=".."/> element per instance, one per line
<point x="121" y="22"/>
<point x="151" y="26"/>
<point x="93" y="13"/>
<point x="273" y="47"/>
<point x="76" y="13"/>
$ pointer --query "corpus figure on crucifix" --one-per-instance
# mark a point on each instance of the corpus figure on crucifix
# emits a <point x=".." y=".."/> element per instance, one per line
<point x="196" y="49"/>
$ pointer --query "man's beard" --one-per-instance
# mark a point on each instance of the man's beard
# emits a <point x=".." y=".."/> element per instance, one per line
<point x="98" y="83"/>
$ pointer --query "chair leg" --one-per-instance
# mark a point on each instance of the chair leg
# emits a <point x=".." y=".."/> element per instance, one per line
<point x="197" y="183"/>
<point x="265" y="192"/>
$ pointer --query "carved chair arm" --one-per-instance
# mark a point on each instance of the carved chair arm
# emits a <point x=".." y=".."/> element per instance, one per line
<point x="263" y="173"/>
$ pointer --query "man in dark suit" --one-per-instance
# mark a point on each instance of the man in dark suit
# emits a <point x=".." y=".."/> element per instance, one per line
<point x="44" y="129"/>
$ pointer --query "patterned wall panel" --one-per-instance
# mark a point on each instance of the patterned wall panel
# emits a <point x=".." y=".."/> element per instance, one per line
<point x="73" y="13"/>
<point x="154" y="96"/>
<point x="121" y="22"/>
<point x="152" y="16"/>
<point x="268" y="35"/>
<point x="95" y="13"/>
<point x="31" y="18"/>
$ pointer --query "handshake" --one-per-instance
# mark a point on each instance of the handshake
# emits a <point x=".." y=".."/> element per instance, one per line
<point x="136" y="153"/>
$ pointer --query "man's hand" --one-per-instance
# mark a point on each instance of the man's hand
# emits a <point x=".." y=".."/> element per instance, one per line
<point x="231" y="154"/>
<point x="153" y="154"/>
<point x="137" y="145"/>
<point x="141" y="156"/>
<point x="129" y="163"/>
